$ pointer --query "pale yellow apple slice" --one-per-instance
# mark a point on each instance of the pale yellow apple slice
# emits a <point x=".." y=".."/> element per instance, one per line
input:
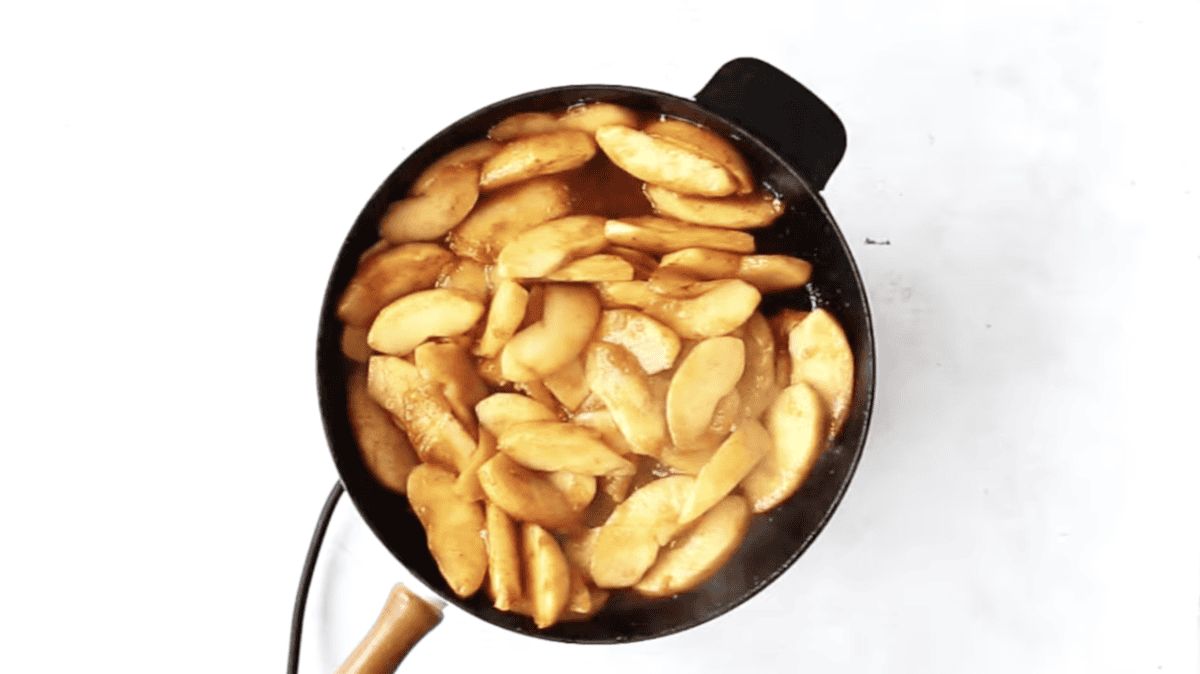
<point x="718" y="311"/>
<point x="555" y="445"/>
<point x="548" y="576"/>
<point x="706" y="144"/>
<point x="504" y="317"/>
<point x="569" y="317"/>
<point x="445" y="201"/>
<point x="658" y="236"/>
<point x="505" y="214"/>
<point x="504" y="559"/>
<point x="772" y="273"/>
<point x="707" y="374"/>
<point x="500" y="410"/>
<point x="414" y="318"/>
<point x="748" y="212"/>
<point x="615" y="376"/>
<point x="526" y="495"/>
<point x="540" y="250"/>
<point x="385" y="448"/>
<point x="653" y="344"/>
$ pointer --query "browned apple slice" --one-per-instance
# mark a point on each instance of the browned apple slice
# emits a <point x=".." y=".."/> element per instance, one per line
<point x="706" y="144"/>
<point x="628" y="543"/>
<point x="772" y="273"/>
<point x="664" y="163"/>
<point x="592" y="269"/>
<point x="467" y="483"/>
<point x="453" y="528"/>
<point x="389" y="275"/>
<point x="555" y="445"/>
<point x="523" y="124"/>
<point x="542" y="249"/>
<point x="446" y="200"/>
<point x="505" y="214"/>
<point x="797" y="423"/>
<point x="505" y="314"/>
<point x="500" y="410"/>
<point x="569" y="317"/>
<point x="665" y="235"/>
<point x="653" y="344"/>
<point x="615" y="376"/>
<point x="536" y="155"/>
<point x="414" y="318"/>
<point x="708" y="373"/>
<point x="699" y="552"/>
<point x="718" y="311"/>
<point x="504" y="558"/>
<point x="731" y="463"/>
<point x="549" y="579"/>
<point x="591" y="116"/>
<point x="524" y="494"/>
<point x="384" y="447"/>
<point x="821" y="358"/>
<point x="749" y="212"/>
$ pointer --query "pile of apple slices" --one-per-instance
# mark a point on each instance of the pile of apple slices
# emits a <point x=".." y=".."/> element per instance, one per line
<point x="577" y="403"/>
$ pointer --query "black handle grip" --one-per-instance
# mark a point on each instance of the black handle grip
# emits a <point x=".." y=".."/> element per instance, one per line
<point x="782" y="113"/>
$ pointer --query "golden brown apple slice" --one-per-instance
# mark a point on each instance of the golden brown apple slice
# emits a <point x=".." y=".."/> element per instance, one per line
<point x="664" y="163"/>
<point x="748" y="212"/>
<point x="540" y="250"/>
<point x="706" y="144"/>
<point x="569" y="317"/>
<point x="524" y="494"/>
<point x="451" y="366"/>
<point x="592" y="269"/>
<point x="505" y="214"/>
<point x="467" y="483"/>
<point x="699" y="552"/>
<point x="447" y="199"/>
<point x="536" y="155"/>
<point x="523" y="124"/>
<point x="757" y="386"/>
<point x="549" y="580"/>
<point x="821" y="358"/>
<point x="772" y="273"/>
<point x="591" y="116"/>
<point x="718" y="311"/>
<point x="504" y="558"/>
<point x="615" y="376"/>
<point x="731" y="463"/>
<point x="354" y="344"/>
<point x="797" y="423"/>
<point x="414" y="318"/>
<point x="389" y="275"/>
<point x="579" y="489"/>
<point x="555" y="445"/>
<point x="471" y="154"/>
<point x="569" y="385"/>
<point x="384" y="447"/>
<point x="453" y="528"/>
<point x="500" y="410"/>
<point x="617" y="294"/>
<point x="466" y="275"/>
<point x="421" y="410"/>
<point x="703" y="263"/>
<point x="664" y="235"/>
<point x="653" y="344"/>
<point x="505" y="314"/>
<point x="707" y="374"/>
<point x="628" y="543"/>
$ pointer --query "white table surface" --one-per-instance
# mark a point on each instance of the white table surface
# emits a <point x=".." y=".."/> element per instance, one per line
<point x="176" y="180"/>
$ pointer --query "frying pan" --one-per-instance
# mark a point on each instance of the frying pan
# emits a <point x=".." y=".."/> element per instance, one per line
<point x="792" y="142"/>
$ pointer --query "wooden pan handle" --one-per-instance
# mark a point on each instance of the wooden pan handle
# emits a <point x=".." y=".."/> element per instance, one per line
<point x="405" y="618"/>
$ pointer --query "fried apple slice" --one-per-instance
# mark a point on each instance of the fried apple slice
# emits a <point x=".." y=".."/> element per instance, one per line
<point x="659" y="235"/>
<point x="500" y="410"/>
<point x="594" y="268"/>
<point x="771" y="273"/>
<point x="699" y="552"/>
<point x="601" y="420"/>
<point x="524" y="494"/>
<point x="569" y="385"/>
<point x="748" y="212"/>
<point x="523" y="124"/>
<point x="579" y="489"/>
<point x="570" y="315"/>
<point x="421" y="410"/>
<point x="821" y="358"/>
<point x="384" y="447"/>
<point x="445" y="201"/>
<point x="706" y="144"/>
<point x="555" y="445"/>
<point x="414" y="318"/>
<point x="453" y="528"/>
<point x="536" y="155"/>
<point x="725" y="306"/>
<point x="661" y="162"/>
<point x="547" y="573"/>
<point x="616" y="294"/>
<point x="471" y="154"/>
<point x="387" y="276"/>
<point x="703" y="263"/>
<point x="504" y="558"/>
<point x="466" y="485"/>
<point x="653" y="344"/>
<point x="354" y="344"/>
<point x="643" y="264"/>
<point x="757" y="386"/>
<point x="451" y="366"/>
<point x="797" y="423"/>
<point x="468" y="276"/>
<point x="591" y="116"/>
<point x="505" y="314"/>
<point x="628" y="542"/>
<point x="731" y="463"/>
<point x="615" y="376"/>
<point x="505" y="214"/>
<point x="708" y="373"/>
<point x="542" y="249"/>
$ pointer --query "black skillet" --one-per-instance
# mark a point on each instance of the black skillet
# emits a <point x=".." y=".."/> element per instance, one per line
<point x="792" y="142"/>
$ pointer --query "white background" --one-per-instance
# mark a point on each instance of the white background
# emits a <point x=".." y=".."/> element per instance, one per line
<point x="175" y="181"/>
